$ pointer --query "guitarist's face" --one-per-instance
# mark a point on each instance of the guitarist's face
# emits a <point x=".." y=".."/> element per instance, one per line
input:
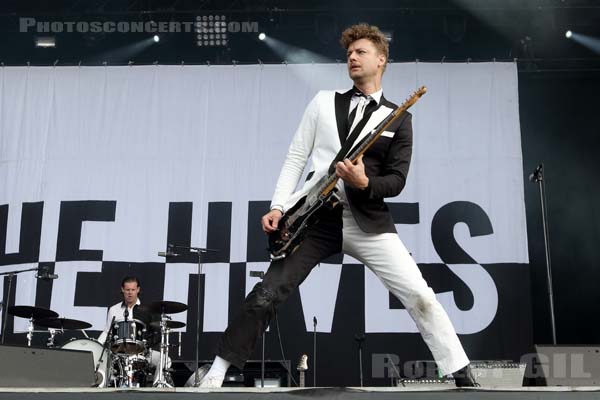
<point x="364" y="61"/>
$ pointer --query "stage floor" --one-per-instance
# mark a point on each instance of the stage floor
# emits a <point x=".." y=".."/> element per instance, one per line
<point x="350" y="393"/>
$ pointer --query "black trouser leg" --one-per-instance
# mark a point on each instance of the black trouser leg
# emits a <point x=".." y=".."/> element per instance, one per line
<point x="282" y="278"/>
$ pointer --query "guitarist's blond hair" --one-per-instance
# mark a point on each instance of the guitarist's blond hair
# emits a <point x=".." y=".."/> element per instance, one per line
<point x="369" y="32"/>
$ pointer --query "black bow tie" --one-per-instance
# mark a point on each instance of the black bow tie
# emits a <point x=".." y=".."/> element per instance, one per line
<point x="361" y="94"/>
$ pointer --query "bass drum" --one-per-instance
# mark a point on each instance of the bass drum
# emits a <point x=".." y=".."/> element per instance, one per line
<point x="95" y="348"/>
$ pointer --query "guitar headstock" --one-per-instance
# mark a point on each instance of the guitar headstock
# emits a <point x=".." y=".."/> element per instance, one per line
<point x="303" y="363"/>
<point x="414" y="97"/>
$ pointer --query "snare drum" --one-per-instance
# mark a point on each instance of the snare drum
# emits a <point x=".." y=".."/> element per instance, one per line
<point x="95" y="348"/>
<point x="128" y="337"/>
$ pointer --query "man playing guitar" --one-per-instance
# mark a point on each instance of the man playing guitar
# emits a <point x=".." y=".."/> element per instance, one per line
<point x="359" y="225"/>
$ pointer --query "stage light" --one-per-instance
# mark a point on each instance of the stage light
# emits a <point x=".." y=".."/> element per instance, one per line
<point x="294" y="54"/>
<point x="591" y="42"/>
<point x="262" y="36"/>
<point x="209" y="29"/>
<point x="389" y="36"/>
<point x="156" y="39"/>
<point x="47" y="41"/>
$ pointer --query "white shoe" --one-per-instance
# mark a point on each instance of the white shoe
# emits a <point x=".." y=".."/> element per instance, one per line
<point x="201" y="372"/>
<point x="211" y="382"/>
<point x="205" y="381"/>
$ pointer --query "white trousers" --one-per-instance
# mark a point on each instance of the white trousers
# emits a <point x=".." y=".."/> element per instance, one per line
<point x="386" y="256"/>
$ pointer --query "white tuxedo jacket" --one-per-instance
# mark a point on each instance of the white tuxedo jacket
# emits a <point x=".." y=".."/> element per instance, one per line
<point x="319" y="137"/>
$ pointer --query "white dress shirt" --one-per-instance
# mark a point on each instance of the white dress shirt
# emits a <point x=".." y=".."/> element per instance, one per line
<point x="362" y="102"/>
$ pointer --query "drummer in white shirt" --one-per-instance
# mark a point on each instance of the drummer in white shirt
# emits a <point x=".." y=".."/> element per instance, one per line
<point x="126" y="309"/>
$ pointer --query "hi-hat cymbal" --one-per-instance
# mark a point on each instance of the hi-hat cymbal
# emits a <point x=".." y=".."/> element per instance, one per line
<point x="31" y="312"/>
<point x="63" y="323"/>
<point x="170" y="324"/>
<point x="167" y="307"/>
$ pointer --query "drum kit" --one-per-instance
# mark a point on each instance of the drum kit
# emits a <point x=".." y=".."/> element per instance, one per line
<point x="126" y="359"/>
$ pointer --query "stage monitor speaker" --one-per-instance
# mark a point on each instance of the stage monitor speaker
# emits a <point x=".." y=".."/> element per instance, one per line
<point x="487" y="373"/>
<point x="576" y="365"/>
<point x="426" y="383"/>
<point x="498" y="373"/>
<point x="31" y="367"/>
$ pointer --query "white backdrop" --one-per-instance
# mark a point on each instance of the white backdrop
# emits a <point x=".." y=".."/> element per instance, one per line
<point x="145" y="136"/>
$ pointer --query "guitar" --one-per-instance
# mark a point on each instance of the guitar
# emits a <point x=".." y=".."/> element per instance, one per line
<point x="292" y="226"/>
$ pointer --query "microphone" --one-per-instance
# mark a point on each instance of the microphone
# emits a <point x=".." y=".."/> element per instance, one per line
<point x="360" y="337"/>
<point x="126" y="313"/>
<point x="536" y="174"/>
<point x="44" y="273"/>
<point x="169" y="252"/>
<point x="257" y="274"/>
<point x="47" y="276"/>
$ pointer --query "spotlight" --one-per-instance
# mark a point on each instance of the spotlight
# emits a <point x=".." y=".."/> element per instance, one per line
<point x="156" y="39"/>
<point x="389" y="36"/>
<point x="210" y="29"/>
<point x="261" y="36"/>
<point x="47" y="41"/>
<point x="568" y="34"/>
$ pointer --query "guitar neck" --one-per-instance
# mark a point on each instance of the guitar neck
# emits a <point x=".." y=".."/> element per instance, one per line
<point x="378" y="131"/>
<point x="369" y="140"/>
<point x="329" y="184"/>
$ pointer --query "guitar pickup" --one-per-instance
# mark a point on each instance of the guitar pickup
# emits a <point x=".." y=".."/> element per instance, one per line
<point x="333" y="200"/>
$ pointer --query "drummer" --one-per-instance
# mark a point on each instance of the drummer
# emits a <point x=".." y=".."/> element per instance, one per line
<point x="130" y="288"/>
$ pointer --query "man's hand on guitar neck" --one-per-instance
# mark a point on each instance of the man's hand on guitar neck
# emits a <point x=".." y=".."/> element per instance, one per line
<point x="353" y="174"/>
<point x="270" y="220"/>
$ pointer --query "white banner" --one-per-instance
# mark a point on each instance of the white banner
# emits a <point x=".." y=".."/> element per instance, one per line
<point x="140" y="138"/>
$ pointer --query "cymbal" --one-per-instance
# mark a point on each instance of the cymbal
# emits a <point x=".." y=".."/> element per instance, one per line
<point x="168" y="307"/>
<point x="63" y="323"/>
<point x="31" y="312"/>
<point x="170" y="324"/>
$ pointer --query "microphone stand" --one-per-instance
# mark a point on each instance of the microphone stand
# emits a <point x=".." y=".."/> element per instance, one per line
<point x="105" y="347"/>
<point x="314" y="351"/>
<point x="394" y="379"/>
<point x="261" y="275"/>
<point x="538" y="177"/>
<point x="200" y="251"/>
<point x="360" y="338"/>
<point x="5" y="305"/>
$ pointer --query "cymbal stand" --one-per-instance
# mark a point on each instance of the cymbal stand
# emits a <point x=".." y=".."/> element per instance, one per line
<point x="179" y="344"/>
<point x="30" y="332"/>
<point x="164" y="352"/>
<point x="5" y="308"/>
<point x="50" y="342"/>
<point x="106" y="352"/>
<point x="11" y="275"/>
<point x="129" y="372"/>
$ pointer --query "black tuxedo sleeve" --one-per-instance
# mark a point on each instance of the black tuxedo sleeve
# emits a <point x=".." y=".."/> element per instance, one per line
<point x="391" y="178"/>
